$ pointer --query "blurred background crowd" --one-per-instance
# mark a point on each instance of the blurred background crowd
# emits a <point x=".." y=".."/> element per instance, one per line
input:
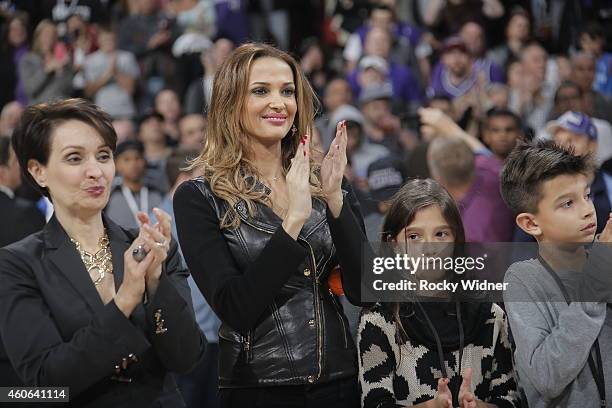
<point x="500" y="69"/>
<point x="429" y="88"/>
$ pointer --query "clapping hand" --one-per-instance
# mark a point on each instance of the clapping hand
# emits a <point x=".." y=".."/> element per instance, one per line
<point x="332" y="170"/>
<point x="157" y="242"/>
<point x="298" y="189"/>
<point x="444" y="398"/>
<point x="143" y="274"/>
<point x="466" y="395"/>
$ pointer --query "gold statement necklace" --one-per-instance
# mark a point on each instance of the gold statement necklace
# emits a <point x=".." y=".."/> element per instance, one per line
<point x="101" y="262"/>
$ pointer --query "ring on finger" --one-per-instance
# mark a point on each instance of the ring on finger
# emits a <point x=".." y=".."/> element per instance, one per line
<point x="162" y="243"/>
<point x="139" y="253"/>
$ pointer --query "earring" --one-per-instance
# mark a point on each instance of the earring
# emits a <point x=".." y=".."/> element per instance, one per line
<point x="293" y="130"/>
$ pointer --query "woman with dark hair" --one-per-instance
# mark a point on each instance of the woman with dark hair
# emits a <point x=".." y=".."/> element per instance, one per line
<point x="435" y="351"/>
<point x="84" y="303"/>
<point x="262" y="231"/>
<point x="518" y="33"/>
<point x="13" y="47"/>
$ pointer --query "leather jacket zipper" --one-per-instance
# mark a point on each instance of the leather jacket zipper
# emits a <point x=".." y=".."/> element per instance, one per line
<point x="317" y="311"/>
<point x="316" y="297"/>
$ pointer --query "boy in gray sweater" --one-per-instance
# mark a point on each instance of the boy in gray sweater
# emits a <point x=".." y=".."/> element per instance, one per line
<point x="563" y="351"/>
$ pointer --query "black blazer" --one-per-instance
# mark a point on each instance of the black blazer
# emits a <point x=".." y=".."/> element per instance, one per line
<point x="19" y="219"/>
<point x="57" y="331"/>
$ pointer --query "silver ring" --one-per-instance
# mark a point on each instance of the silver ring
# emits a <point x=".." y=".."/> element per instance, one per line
<point x="139" y="253"/>
<point x="161" y="244"/>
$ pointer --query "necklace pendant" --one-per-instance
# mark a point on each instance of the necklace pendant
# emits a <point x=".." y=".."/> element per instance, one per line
<point x="101" y="261"/>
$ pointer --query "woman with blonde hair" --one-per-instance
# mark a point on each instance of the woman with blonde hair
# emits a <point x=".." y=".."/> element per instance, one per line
<point x="262" y="230"/>
<point x="47" y="69"/>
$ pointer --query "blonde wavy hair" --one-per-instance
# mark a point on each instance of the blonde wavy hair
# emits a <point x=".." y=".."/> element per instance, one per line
<point x="36" y="38"/>
<point x="226" y="161"/>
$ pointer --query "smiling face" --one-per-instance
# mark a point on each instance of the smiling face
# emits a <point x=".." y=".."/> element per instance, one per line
<point x="271" y="105"/>
<point x="565" y="213"/>
<point x="79" y="170"/>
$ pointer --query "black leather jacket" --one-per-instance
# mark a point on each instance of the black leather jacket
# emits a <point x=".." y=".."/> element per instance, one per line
<point x="303" y="336"/>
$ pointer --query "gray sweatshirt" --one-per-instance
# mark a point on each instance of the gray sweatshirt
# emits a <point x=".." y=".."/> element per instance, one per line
<point x="41" y="86"/>
<point x="553" y="339"/>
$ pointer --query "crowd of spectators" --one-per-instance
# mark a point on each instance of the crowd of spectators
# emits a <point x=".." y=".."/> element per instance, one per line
<point x="429" y="88"/>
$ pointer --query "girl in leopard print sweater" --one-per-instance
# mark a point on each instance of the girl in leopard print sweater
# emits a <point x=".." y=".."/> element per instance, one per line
<point x="441" y="353"/>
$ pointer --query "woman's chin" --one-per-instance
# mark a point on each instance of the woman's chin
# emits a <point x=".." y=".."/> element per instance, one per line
<point x="93" y="204"/>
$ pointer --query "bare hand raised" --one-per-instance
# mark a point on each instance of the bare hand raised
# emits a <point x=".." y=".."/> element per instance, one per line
<point x="332" y="169"/>
<point x="298" y="189"/>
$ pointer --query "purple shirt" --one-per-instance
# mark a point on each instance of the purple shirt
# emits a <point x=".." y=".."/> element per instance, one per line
<point x="20" y="95"/>
<point x="441" y="85"/>
<point x="232" y="20"/>
<point x="486" y="218"/>
<point x="404" y="83"/>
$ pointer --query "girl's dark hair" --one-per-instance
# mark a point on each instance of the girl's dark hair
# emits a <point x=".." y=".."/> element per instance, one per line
<point x="413" y="196"/>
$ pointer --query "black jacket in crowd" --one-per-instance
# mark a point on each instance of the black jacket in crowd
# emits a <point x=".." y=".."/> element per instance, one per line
<point x="58" y="332"/>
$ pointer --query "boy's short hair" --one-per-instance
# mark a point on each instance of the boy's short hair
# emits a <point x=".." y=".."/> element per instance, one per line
<point x="500" y="112"/>
<point x="128" y="145"/>
<point x="529" y="165"/>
